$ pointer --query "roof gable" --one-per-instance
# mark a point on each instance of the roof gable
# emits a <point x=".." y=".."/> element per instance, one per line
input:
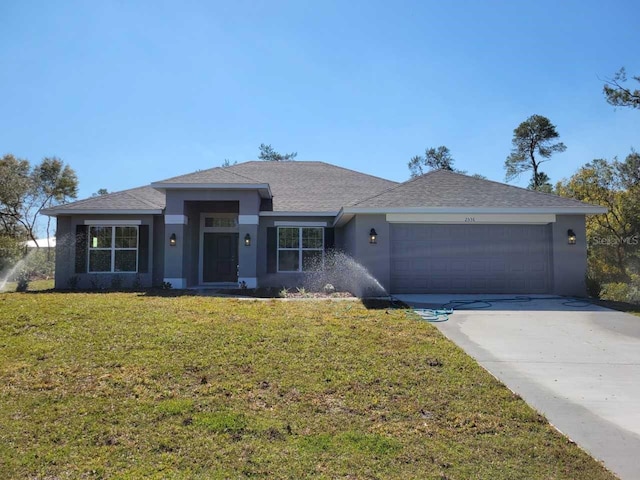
<point x="296" y="186"/>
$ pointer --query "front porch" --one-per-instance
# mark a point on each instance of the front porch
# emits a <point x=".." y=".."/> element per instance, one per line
<point x="212" y="243"/>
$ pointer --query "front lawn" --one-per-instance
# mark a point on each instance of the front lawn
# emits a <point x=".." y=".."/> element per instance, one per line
<point x="127" y="385"/>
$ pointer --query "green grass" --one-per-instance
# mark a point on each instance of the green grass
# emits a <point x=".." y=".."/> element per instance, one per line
<point x="123" y="385"/>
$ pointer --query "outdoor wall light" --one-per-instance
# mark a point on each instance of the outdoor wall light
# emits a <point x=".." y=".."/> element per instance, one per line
<point x="571" y="237"/>
<point x="172" y="240"/>
<point x="247" y="240"/>
<point x="373" y="236"/>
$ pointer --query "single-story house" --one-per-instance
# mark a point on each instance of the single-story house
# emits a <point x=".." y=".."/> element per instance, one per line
<point x="265" y="223"/>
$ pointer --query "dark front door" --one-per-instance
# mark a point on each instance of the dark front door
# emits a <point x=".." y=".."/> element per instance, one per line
<point x="220" y="257"/>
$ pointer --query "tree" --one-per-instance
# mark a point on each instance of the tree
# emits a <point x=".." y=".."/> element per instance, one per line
<point x="612" y="237"/>
<point x="617" y="94"/>
<point x="100" y="192"/>
<point x="227" y="163"/>
<point x="25" y="191"/>
<point x="533" y="137"/>
<point x="269" y="154"/>
<point x="434" y="159"/>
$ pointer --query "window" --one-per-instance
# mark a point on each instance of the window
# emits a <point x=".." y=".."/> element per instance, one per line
<point x="113" y="249"/>
<point x="220" y="222"/>
<point x="300" y="249"/>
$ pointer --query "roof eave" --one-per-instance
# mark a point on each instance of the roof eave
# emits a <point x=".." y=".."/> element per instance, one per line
<point x="581" y="210"/>
<point x="290" y="213"/>
<point x="263" y="188"/>
<point x="55" y="212"/>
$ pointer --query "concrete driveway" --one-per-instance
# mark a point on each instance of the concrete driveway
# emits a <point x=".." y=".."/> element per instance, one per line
<point x="578" y="364"/>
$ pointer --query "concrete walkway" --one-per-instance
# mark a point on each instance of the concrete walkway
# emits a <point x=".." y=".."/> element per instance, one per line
<point x="578" y="364"/>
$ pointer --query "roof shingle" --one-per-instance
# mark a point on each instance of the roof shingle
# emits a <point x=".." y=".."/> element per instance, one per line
<point x="296" y="186"/>
<point x="442" y="188"/>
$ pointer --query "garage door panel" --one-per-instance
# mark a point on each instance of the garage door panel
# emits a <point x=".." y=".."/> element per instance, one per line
<point x="470" y="258"/>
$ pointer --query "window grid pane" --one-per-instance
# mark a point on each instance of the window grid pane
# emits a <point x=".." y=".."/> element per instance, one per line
<point x="125" y="261"/>
<point x="126" y="237"/>
<point x="100" y="260"/>
<point x="312" y="238"/>
<point x="220" y="222"/>
<point x="288" y="237"/>
<point x="288" y="260"/>
<point x="312" y="260"/>
<point x="100" y="237"/>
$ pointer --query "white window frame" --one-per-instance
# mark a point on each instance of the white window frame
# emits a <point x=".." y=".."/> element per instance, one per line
<point x="112" y="248"/>
<point x="298" y="249"/>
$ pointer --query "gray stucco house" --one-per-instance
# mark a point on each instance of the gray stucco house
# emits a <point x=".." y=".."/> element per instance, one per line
<point x="263" y="223"/>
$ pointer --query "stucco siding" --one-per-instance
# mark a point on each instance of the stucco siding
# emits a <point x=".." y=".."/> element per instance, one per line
<point x="66" y="254"/>
<point x="569" y="261"/>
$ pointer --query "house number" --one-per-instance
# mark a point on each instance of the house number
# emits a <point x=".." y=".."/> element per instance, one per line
<point x="469" y="219"/>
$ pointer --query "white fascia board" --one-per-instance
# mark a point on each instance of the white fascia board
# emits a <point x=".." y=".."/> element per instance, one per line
<point x="472" y="218"/>
<point x="53" y="212"/>
<point x="113" y="222"/>
<point x="299" y="224"/>
<point x="587" y="209"/>
<point x="298" y="214"/>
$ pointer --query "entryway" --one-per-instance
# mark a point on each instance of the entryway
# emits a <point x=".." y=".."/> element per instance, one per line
<point x="219" y="239"/>
<point x="220" y="257"/>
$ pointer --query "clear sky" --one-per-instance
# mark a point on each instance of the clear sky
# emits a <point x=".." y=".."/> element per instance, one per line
<point x="130" y="92"/>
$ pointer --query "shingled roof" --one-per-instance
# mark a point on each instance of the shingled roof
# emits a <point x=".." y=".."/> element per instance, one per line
<point x="296" y="186"/>
<point x="321" y="187"/>
<point x="446" y="189"/>
<point x="141" y="199"/>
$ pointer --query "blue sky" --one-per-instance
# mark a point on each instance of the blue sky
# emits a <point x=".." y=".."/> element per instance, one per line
<point x="132" y="92"/>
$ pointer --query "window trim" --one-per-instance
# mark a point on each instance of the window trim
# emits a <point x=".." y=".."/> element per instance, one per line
<point x="112" y="248"/>
<point x="300" y="249"/>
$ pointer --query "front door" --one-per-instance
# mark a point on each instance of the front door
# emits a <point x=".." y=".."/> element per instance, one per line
<point x="220" y="257"/>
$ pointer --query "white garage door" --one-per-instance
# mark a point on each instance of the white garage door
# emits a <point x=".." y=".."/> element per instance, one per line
<point x="470" y="258"/>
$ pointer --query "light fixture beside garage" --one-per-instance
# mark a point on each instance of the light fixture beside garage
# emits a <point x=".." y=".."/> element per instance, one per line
<point x="373" y="236"/>
<point x="247" y="240"/>
<point x="571" y="237"/>
<point x="172" y="240"/>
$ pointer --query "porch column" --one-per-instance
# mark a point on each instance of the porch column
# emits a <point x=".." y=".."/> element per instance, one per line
<point x="247" y="255"/>
<point x="174" y="272"/>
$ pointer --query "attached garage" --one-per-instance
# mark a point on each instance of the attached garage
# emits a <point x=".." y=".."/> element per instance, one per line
<point x="470" y="258"/>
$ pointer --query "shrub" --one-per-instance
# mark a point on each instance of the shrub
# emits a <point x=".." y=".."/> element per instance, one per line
<point x="136" y="285"/>
<point x="73" y="282"/>
<point x="594" y="286"/>
<point x="23" y="281"/>
<point x="622" y="291"/>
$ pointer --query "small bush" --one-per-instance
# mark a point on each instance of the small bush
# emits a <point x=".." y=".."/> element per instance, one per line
<point x="73" y="282"/>
<point x="136" y="285"/>
<point x="594" y="286"/>
<point x="95" y="282"/>
<point x="622" y="291"/>
<point x="23" y="281"/>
